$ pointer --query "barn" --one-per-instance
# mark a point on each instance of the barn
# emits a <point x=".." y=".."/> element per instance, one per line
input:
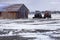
<point x="15" y="11"/>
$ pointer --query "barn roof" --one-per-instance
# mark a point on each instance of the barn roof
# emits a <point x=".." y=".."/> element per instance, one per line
<point x="14" y="7"/>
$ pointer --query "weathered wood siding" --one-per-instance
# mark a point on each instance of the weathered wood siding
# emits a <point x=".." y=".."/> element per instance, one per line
<point x="18" y="15"/>
<point x="22" y="12"/>
<point x="8" y="15"/>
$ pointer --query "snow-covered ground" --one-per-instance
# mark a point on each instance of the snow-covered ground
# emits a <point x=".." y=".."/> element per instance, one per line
<point x="32" y="25"/>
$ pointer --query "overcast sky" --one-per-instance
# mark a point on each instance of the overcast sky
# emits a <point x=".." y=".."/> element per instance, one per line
<point x="36" y="4"/>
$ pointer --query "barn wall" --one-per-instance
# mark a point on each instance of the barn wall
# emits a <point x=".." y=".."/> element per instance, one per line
<point x="8" y="15"/>
<point x="26" y="11"/>
<point x="18" y="15"/>
<point x="23" y="11"/>
<point x="4" y="15"/>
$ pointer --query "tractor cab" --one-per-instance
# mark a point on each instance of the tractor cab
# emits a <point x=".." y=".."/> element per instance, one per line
<point x="37" y="14"/>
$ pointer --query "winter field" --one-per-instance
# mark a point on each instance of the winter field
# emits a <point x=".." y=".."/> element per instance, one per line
<point x="31" y="29"/>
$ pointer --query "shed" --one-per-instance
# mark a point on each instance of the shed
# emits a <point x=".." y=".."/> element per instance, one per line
<point x="15" y="11"/>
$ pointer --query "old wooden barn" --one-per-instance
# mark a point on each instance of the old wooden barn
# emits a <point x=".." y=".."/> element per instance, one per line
<point x="14" y="11"/>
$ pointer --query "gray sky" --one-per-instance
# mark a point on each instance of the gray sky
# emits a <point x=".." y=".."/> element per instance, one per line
<point x="36" y="4"/>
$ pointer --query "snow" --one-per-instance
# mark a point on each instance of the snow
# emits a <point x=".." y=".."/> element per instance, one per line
<point x="33" y="24"/>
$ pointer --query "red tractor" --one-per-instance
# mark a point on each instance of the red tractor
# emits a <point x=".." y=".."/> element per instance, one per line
<point x="47" y="14"/>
